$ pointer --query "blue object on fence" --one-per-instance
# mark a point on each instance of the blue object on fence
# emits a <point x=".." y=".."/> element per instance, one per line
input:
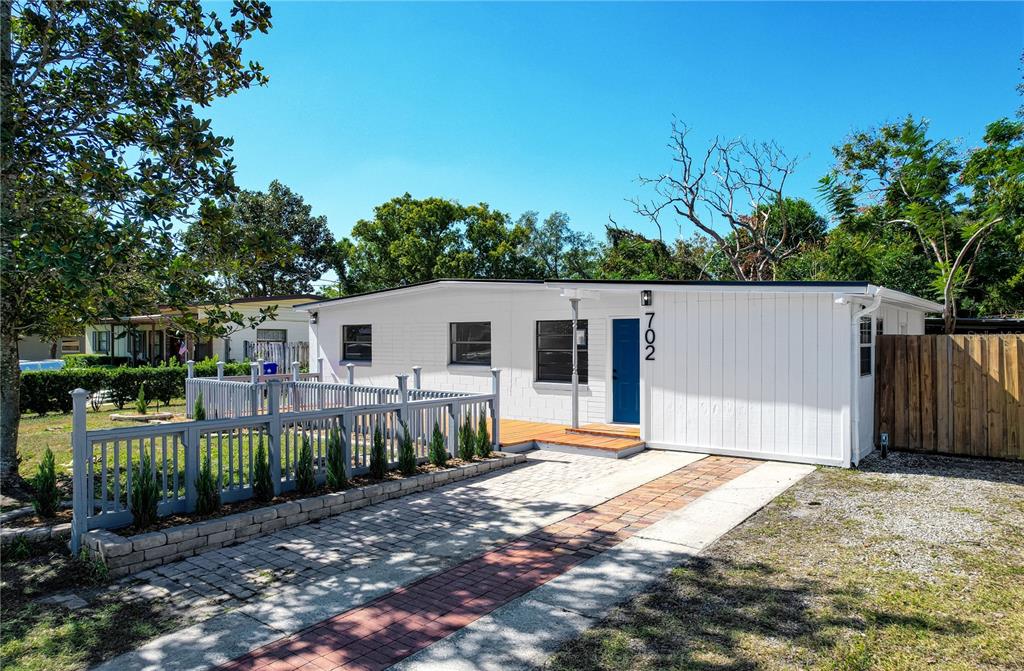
<point x="269" y="368"/>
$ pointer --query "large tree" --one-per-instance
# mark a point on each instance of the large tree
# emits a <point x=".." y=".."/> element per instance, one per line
<point x="732" y="192"/>
<point x="269" y="244"/>
<point x="559" y="251"/>
<point x="102" y="152"/>
<point x="947" y="199"/>
<point x="632" y="256"/>
<point x="414" y="240"/>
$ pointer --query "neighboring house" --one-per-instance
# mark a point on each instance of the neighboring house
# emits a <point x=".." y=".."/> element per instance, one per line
<point x="154" y="339"/>
<point x="34" y="348"/>
<point x="773" y="370"/>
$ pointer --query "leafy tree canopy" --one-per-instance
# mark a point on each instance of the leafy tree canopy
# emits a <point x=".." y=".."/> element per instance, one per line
<point x="268" y="244"/>
<point x="102" y="152"/>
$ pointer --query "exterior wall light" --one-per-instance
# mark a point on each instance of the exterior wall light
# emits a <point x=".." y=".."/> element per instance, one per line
<point x="645" y="297"/>
<point x="314" y="317"/>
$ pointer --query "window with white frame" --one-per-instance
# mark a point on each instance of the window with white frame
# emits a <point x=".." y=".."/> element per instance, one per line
<point x="70" y="346"/>
<point x="470" y="343"/>
<point x="271" y="335"/>
<point x="554" y="350"/>
<point x="865" y="346"/>
<point x="357" y="342"/>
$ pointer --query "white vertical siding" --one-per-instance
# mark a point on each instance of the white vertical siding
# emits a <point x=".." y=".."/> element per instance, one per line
<point x="750" y="373"/>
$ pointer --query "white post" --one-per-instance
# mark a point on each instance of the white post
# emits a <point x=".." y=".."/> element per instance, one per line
<point x="220" y="370"/>
<point x="259" y="363"/>
<point x="453" y="429"/>
<point x="496" y="408"/>
<point x="417" y="377"/>
<point x="295" y="371"/>
<point x="351" y="373"/>
<point x="191" y="368"/>
<point x="575" y="303"/>
<point x="254" y="375"/>
<point x="80" y="485"/>
<point x="403" y="391"/>
<point x="274" y="432"/>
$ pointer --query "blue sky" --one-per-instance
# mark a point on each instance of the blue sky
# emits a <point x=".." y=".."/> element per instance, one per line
<point x="560" y="106"/>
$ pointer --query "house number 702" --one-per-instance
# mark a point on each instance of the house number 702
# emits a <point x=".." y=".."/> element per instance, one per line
<point x="649" y="337"/>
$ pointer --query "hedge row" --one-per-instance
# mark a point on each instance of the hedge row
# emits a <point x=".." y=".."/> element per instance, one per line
<point x="44" y="391"/>
<point x="93" y="360"/>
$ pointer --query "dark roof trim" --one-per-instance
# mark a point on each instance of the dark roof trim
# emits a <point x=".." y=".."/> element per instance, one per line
<point x="682" y="283"/>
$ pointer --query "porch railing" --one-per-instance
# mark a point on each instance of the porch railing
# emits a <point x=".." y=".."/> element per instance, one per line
<point x="106" y="461"/>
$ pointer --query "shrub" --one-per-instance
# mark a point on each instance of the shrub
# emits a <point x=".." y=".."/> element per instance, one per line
<point x="199" y="408"/>
<point x="467" y="441"/>
<point x="438" y="451"/>
<point x="92" y="360"/>
<point x="337" y="479"/>
<point x="140" y="401"/>
<point x="406" y="453"/>
<point x="305" y="480"/>
<point x="378" y="457"/>
<point x="145" y="494"/>
<point x="207" y="490"/>
<point x="262" y="485"/>
<point x="46" y="499"/>
<point x="483" y="438"/>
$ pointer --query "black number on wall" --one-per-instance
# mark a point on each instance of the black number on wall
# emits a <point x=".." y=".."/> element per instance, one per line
<point x="649" y="337"/>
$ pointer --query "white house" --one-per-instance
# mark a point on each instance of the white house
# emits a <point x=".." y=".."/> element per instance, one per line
<point x="153" y="338"/>
<point x="774" y="370"/>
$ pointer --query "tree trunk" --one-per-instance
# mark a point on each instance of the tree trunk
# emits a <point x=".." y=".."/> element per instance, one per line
<point x="10" y="406"/>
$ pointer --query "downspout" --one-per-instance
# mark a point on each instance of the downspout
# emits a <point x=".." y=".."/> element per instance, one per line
<point x="855" y="373"/>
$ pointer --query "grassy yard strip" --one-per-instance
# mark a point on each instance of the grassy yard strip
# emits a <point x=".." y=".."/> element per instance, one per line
<point x="915" y="562"/>
<point x="39" y="635"/>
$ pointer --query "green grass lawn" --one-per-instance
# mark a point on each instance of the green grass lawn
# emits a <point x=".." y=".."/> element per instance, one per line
<point x="914" y="563"/>
<point x="53" y="431"/>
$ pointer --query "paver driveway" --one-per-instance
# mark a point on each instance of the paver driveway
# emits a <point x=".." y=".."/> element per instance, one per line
<point x="259" y="590"/>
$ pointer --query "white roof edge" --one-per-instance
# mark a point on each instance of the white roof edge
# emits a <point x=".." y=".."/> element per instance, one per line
<point x="411" y="289"/>
<point x="907" y="300"/>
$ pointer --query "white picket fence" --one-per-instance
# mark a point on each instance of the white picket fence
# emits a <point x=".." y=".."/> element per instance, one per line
<point x="287" y="355"/>
<point x="106" y="461"/>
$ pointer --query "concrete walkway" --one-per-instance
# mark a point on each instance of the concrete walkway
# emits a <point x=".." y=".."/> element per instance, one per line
<point x="493" y="573"/>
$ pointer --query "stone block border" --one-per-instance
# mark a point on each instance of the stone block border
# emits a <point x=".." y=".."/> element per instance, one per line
<point x="35" y="534"/>
<point x="127" y="555"/>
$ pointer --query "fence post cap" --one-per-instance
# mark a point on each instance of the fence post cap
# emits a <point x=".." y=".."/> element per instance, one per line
<point x="77" y="392"/>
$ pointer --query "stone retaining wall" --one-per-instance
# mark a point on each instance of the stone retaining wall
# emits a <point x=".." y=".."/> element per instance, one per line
<point x="128" y="555"/>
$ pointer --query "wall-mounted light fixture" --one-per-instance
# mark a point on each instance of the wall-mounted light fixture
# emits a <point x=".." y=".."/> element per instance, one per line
<point x="645" y="297"/>
<point x="314" y="317"/>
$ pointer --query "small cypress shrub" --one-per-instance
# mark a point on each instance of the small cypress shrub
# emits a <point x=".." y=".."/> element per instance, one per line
<point x="305" y="480"/>
<point x="406" y="453"/>
<point x="378" y="458"/>
<point x="198" y="409"/>
<point x="145" y="494"/>
<point x="467" y="441"/>
<point x="262" y="485"/>
<point x="46" y="499"/>
<point x="207" y="490"/>
<point x="336" y="478"/>
<point x="140" y="401"/>
<point x="483" y="437"/>
<point x="438" y="452"/>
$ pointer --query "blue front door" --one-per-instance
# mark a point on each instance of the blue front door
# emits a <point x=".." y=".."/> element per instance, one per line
<point x="626" y="371"/>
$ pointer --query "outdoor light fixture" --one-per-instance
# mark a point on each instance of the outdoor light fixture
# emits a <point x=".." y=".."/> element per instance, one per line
<point x="884" y="440"/>
<point x="314" y="317"/>
<point x="645" y="297"/>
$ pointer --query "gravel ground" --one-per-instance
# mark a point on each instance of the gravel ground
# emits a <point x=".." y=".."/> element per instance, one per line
<point x="910" y="562"/>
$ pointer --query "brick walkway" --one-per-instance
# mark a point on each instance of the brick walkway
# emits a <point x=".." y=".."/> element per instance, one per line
<point x="410" y="618"/>
<point x="455" y="521"/>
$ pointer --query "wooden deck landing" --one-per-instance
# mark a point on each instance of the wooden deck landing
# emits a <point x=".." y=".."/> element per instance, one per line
<point x="607" y="438"/>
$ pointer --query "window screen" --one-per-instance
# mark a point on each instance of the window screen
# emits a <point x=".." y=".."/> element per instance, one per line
<point x="865" y="346"/>
<point x="271" y="335"/>
<point x="471" y="343"/>
<point x="554" y="350"/>
<point x="357" y="342"/>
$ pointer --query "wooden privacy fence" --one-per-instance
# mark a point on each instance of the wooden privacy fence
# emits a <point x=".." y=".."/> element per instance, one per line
<point x="106" y="461"/>
<point x="961" y="394"/>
